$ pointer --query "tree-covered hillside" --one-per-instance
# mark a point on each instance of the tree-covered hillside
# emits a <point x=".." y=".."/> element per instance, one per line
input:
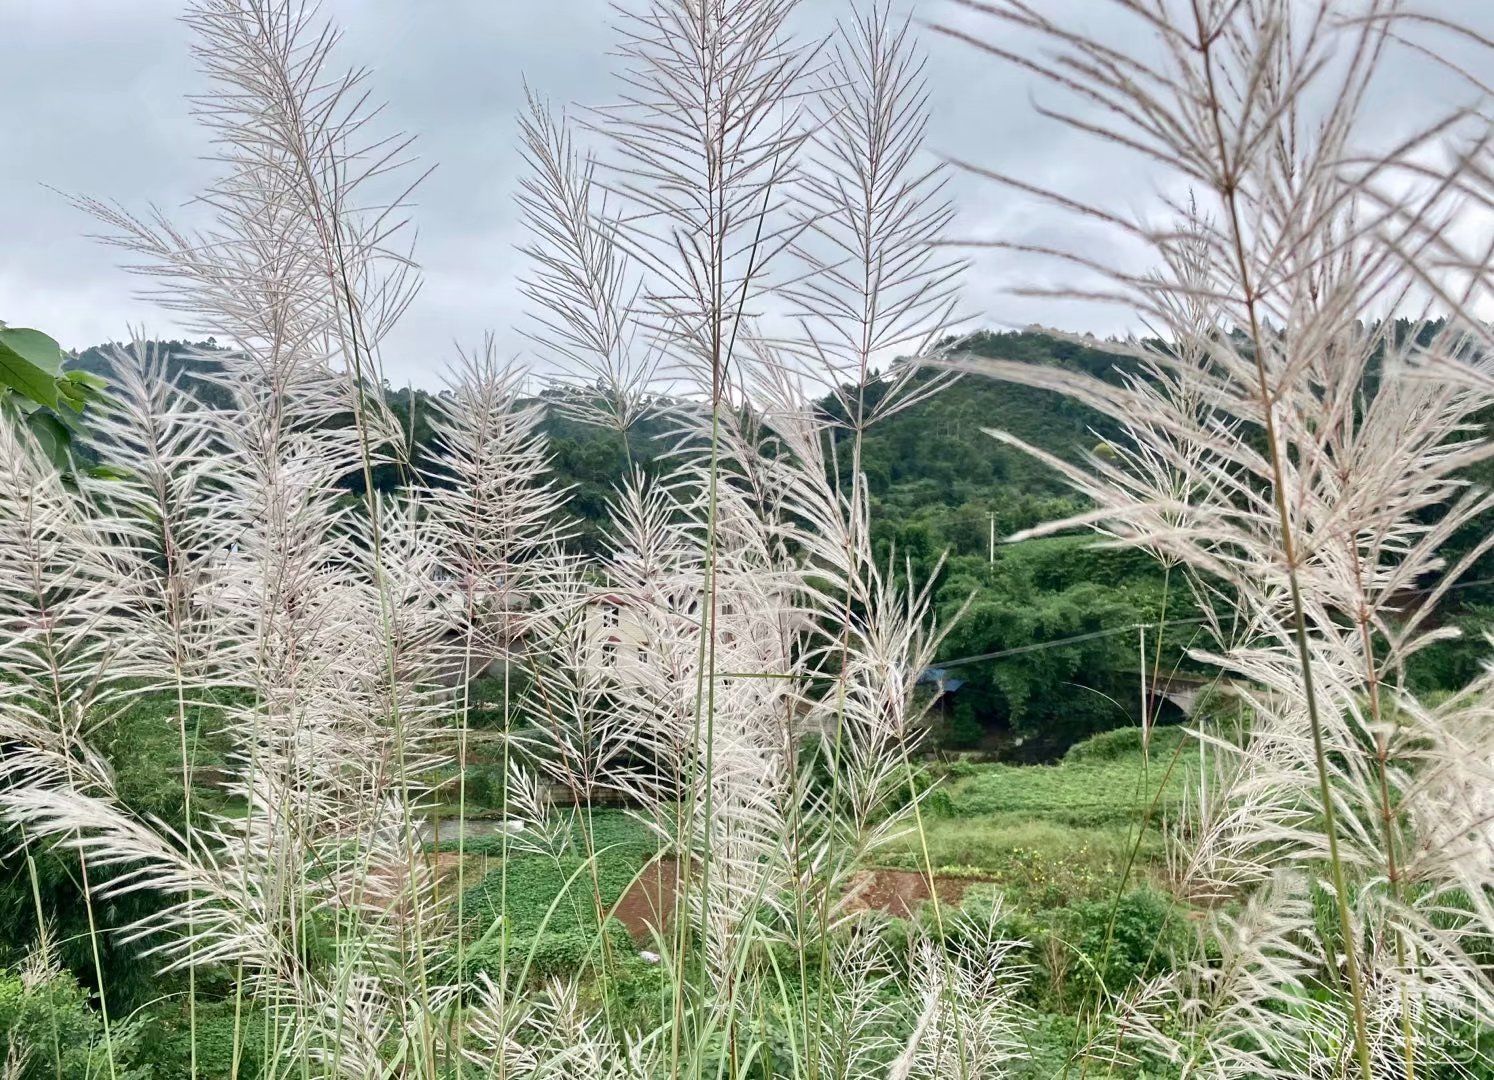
<point x="1065" y="616"/>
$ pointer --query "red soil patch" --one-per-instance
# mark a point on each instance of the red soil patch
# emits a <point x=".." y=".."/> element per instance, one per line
<point x="901" y="892"/>
<point x="647" y="907"/>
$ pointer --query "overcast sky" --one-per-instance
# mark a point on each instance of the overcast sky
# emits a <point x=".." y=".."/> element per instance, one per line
<point x="92" y="101"/>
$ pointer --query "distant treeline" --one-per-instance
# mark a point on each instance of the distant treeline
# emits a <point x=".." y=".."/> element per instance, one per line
<point x="940" y="488"/>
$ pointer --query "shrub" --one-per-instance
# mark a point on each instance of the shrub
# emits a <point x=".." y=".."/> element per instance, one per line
<point x="1125" y="742"/>
<point x="483" y="786"/>
<point x="1118" y="941"/>
<point x="49" y="1027"/>
<point x="1074" y="950"/>
<point x="635" y="986"/>
<point x="167" y="1035"/>
<point x="1452" y="663"/>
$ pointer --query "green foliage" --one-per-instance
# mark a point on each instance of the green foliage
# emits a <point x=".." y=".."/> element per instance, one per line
<point x="1062" y="613"/>
<point x="635" y="986"/>
<point x="1058" y="843"/>
<point x="546" y="955"/>
<point x="547" y="906"/>
<point x="1120" y="941"/>
<point x="536" y="883"/>
<point x="614" y="833"/>
<point x="488" y="695"/>
<point x="142" y="745"/>
<point x="1083" y="948"/>
<point x="1035" y="864"/>
<point x="937" y="452"/>
<point x="1048" y="1044"/>
<point x="482" y="788"/>
<point x="1125" y="743"/>
<point x="1096" y="789"/>
<point x="49" y="1025"/>
<point x="590" y="461"/>
<point x="30" y="364"/>
<point x="938" y="484"/>
<point x="166" y="1039"/>
<point x="190" y="365"/>
<point x="1452" y="663"/>
<point x="36" y="391"/>
<point x="962" y="729"/>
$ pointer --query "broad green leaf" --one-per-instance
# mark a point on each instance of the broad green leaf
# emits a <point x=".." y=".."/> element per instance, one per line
<point x="88" y="380"/>
<point x="51" y="436"/>
<point x="72" y="394"/>
<point x="34" y="347"/>
<point x="78" y="389"/>
<point x="29" y="363"/>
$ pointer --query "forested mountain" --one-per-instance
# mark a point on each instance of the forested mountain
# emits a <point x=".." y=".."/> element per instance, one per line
<point x="189" y="364"/>
<point x="931" y="469"/>
<point x="1065" y="615"/>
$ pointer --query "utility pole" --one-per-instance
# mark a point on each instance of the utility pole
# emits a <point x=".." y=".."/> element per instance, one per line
<point x="992" y="558"/>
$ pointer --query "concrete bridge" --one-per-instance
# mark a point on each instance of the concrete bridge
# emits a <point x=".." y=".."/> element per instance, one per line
<point x="1185" y="690"/>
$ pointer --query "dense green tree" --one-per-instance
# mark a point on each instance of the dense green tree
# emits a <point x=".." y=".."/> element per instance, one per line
<point x="1063" y="617"/>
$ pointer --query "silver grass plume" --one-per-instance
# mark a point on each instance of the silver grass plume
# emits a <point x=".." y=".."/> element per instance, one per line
<point x="702" y="154"/>
<point x="342" y="632"/>
<point x="1291" y="448"/>
<point x="877" y="287"/>
<point x="584" y="287"/>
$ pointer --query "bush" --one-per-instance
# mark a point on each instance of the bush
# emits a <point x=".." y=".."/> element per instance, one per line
<point x="1115" y="942"/>
<point x="1452" y="663"/>
<point x="166" y="1040"/>
<point x="1125" y="743"/>
<point x="1074" y="950"/>
<point x="964" y="729"/>
<point x="51" y="1029"/>
<point x="635" y="987"/>
<point x="483" y="787"/>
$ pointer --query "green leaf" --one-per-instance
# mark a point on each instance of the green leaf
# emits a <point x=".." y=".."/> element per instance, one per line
<point x="72" y="395"/>
<point x="29" y="364"/>
<point x="34" y="347"/>
<point x="88" y="380"/>
<point x="51" y="436"/>
<point x="78" y="389"/>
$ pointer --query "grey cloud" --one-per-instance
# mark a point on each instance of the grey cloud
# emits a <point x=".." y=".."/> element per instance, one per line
<point x="92" y="100"/>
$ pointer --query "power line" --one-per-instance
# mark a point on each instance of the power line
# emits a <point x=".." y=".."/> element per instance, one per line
<point x="1038" y="646"/>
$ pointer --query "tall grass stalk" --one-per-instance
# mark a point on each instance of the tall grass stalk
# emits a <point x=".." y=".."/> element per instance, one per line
<point x="746" y="252"/>
<point x="1294" y="324"/>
